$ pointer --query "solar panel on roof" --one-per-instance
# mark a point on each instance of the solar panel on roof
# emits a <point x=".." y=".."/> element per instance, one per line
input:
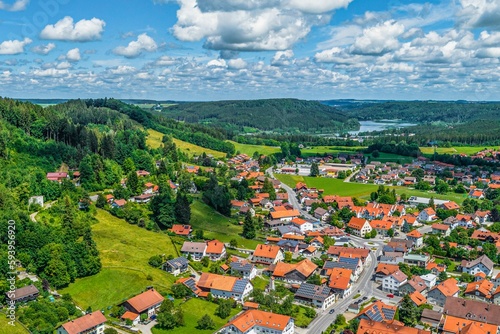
<point x="240" y="285"/>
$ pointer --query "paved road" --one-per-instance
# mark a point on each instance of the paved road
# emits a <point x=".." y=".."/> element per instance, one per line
<point x="324" y="319"/>
<point x="33" y="215"/>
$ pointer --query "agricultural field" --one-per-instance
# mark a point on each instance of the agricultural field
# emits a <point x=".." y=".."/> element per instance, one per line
<point x="217" y="226"/>
<point x="17" y="329"/>
<point x="124" y="250"/>
<point x="194" y="309"/>
<point x="315" y="150"/>
<point x="469" y="150"/>
<point x="251" y="149"/>
<point x="389" y="157"/>
<point x="154" y="140"/>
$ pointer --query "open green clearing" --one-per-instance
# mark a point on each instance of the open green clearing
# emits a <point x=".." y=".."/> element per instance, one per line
<point x="217" y="226"/>
<point x="341" y="188"/>
<point x="194" y="309"/>
<point x="469" y="150"/>
<point x="154" y="140"/>
<point x="124" y="250"/>
<point x="389" y="157"/>
<point x="251" y="149"/>
<point x="315" y="150"/>
<point x="6" y="328"/>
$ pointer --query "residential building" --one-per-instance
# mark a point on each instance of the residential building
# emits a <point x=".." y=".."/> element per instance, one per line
<point x="23" y="294"/>
<point x="336" y="251"/>
<point x="472" y="310"/>
<point x="420" y="260"/>
<point x="267" y="254"/>
<point x="147" y="302"/>
<point x="216" y="250"/>
<point x="481" y="290"/>
<point x="381" y="226"/>
<point x="392" y="283"/>
<point x="481" y="264"/>
<point x="256" y="322"/>
<point x="340" y="282"/>
<point x="446" y="289"/>
<point x="318" y="296"/>
<point x="92" y="323"/>
<point x="176" y="266"/>
<point x="359" y="226"/>
<point x="417" y="298"/>
<point x="244" y="269"/>
<point x="293" y="272"/>
<point x="384" y="270"/>
<point x="416" y="237"/>
<point x="415" y="284"/>
<point x="302" y="224"/>
<point x="427" y="215"/>
<point x="321" y="214"/>
<point x="181" y="230"/>
<point x="224" y="286"/>
<point x="286" y="215"/>
<point x="195" y="250"/>
<point x="378" y="311"/>
<point x="430" y="280"/>
<point x="441" y="229"/>
<point x="396" y="327"/>
<point x="455" y="325"/>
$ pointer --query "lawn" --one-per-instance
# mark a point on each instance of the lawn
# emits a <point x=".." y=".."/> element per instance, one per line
<point x="217" y="226"/>
<point x="154" y="140"/>
<point x="389" y="157"/>
<point x="124" y="250"/>
<point x="331" y="150"/>
<point x="194" y="309"/>
<point x="469" y="150"/>
<point x="6" y="328"/>
<point x="251" y="149"/>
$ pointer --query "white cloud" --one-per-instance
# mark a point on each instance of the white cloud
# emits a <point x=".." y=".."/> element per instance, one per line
<point x="217" y="63"/>
<point x="17" y="6"/>
<point x="244" y="25"/>
<point x="237" y="64"/>
<point x="378" y="39"/>
<point x="44" y="49"/>
<point x="51" y="72"/>
<point x="81" y="31"/>
<point x="73" y="55"/>
<point x="282" y="58"/>
<point x="480" y="13"/>
<point x="13" y="47"/>
<point x="136" y="48"/>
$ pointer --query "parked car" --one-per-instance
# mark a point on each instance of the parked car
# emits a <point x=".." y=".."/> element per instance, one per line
<point x="390" y="295"/>
<point x="332" y="311"/>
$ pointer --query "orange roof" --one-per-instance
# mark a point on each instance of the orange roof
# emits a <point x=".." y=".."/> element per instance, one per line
<point x="441" y="227"/>
<point x="434" y="265"/>
<point x="285" y="214"/>
<point x="84" y="323"/>
<point x="381" y="225"/>
<point x="293" y="237"/>
<point x="356" y="223"/>
<point x="451" y="205"/>
<point x="273" y="239"/>
<point x="251" y="305"/>
<point x="149" y="185"/>
<point x="181" y="229"/>
<point x="129" y="315"/>
<point x="120" y="202"/>
<point x="337" y="250"/>
<point x="484" y="287"/>
<point x="414" y="234"/>
<point x="306" y="267"/>
<point x="250" y="318"/>
<point x="310" y="249"/>
<point x="218" y="282"/>
<point x="300" y="185"/>
<point x="390" y="327"/>
<point x="418" y="298"/>
<point x="340" y="278"/>
<point x="462" y="326"/>
<point x="299" y="221"/>
<point x="448" y="287"/>
<point x="380" y="305"/>
<point x="386" y="269"/>
<point x="109" y="196"/>
<point x="145" y="300"/>
<point x="215" y="247"/>
<point x="430" y="211"/>
<point x="266" y="251"/>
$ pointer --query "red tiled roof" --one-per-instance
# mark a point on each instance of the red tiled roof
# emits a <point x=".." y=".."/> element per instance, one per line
<point x="145" y="300"/>
<point x="84" y="323"/>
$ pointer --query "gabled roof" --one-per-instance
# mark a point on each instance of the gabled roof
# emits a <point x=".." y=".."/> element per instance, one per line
<point x="399" y="276"/>
<point x="251" y="318"/>
<point x="266" y="251"/>
<point x="386" y="269"/>
<point x="418" y="298"/>
<point x="473" y="310"/>
<point x="284" y="214"/>
<point x="379" y="311"/>
<point x="340" y="278"/>
<point x="84" y="323"/>
<point x="193" y="247"/>
<point x="483" y="287"/>
<point x="482" y="259"/>
<point x="381" y="225"/>
<point x="393" y="327"/>
<point x="414" y="234"/>
<point x="448" y="287"/>
<point x="357" y="223"/>
<point x="145" y="300"/>
<point x="181" y="229"/>
<point x="466" y="326"/>
<point x="215" y="247"/>
<point x="223" y="283"/>
<point x="306" y="267"/>
<point x="440" y="227"/>
<point x="314" y="292"/>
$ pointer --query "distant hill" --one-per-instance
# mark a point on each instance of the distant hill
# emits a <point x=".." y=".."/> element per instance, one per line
<point x="280" y="115"/>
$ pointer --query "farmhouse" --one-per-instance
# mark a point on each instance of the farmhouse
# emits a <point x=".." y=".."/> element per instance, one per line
<point x="225" y="286"/>
<point x="255" y="321"/>
<point x="147" y="302"/>
<point x="89" y="323"/>
<point x="359" y="226"/>
<point x="267" y="254"/>
<point x="318" y="296"/>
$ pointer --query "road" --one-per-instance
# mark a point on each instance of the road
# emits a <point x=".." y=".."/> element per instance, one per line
<point x="33" y="215"/>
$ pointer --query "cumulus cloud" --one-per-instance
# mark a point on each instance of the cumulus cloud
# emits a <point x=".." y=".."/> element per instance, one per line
<point x="480" y="13"/>
<point x="378" y="39"/>
<point x="13" y="47"/>
<point x="67" y="30"/>
<point x="44" y="49"/>
<point x="73" y="55"/>
<point x="282" y="58"/>
<point x="243" y="25"/>
<point x="17" y="6"/>
<point x="136" y="48"/>
<point x="237" y="64"/>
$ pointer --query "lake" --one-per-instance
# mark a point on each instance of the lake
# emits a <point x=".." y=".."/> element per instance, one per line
<point x="368" y="126"/>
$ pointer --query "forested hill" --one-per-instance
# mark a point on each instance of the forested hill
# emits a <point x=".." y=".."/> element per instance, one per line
<point x="426" y="111"/>
<point x="282" y="115"/>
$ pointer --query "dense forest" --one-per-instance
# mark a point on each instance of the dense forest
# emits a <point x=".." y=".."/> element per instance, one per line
<point x="279" y="115"/>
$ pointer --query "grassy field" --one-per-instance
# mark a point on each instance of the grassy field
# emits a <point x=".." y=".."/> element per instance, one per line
<point x="389" y="157"/>
<point x="124" y="251"/>
<point x="251" y="149"/>
<point x="331" y="150"/>
<point x="194" y="309"/>
<point x="155" y="137"/>
<point x="6" y="328"/>
<point x="341" y="188"/>
<point x="216" y="226"/>
<point x="469" y="150"/>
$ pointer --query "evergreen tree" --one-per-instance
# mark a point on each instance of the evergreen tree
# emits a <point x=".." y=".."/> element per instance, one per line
<point x="205" y="323"/>
<point x="182" y="209"/>
<point x="314" y="169"/>
<point x="133" y="183"/>
<point x="163" y="206"/>
<point x="248" y="226"/>
<point x="128" y="165"/>
<point x="101" y="201"/>
<point x="269" y="188"/>
<point x="409" y="313"/>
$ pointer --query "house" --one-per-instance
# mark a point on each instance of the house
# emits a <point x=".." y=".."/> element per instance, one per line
<point x="430" y="280"/>
<point x="293" y="273"/>
<point x="144" y="198"/>
<point x="216" y="250"/>
<point x="330" y="265"/>
<point x="181" y="230"/>
<point x="427" y="215"/>
<point x="256" y="321"/>
<point x="439" y="293"/>
<point x="224" y="286"/>
<point x="391" y="283"/>
<point x="288" y="245"/>
<point x="23" y="294"/>
<point x="359" y="226"/>
<point x="318" y="296"/>
<point x="336" y="251"/>
<point x="441" y="229"/>
<point x="150" y="188"/>
<point x="416" y="259"/>
<point x="396" y="327"/>
<point x="302" y="224"/>
<point x="92" y="323"/>
<point x="482" y="217"/>
<point x="473" y="310"/>
<point x="286" y="215"/>
<point x="243" y="269"/>
<point x="176" y="266"/>
<point x="417" y="298"/>
<point x="321" y="214"/>
<point x="142" y="173"/>
<point x="118" y="203"/>
<point x="455" y="325"/>
<point x="481" y="264"/>
<point x="480" y="290"/>
<point x="415" y="284"/>
<point x="378" y="311"/>
<point x="147" y="302"/>
<point x="416" y="237"/>
<point x="57" y="176"/>
<point x="267" y="254"/>
<point x="384" y="270"/>
<point x="381" y="226"/>
<point x="195" y="250"/>
<point x="431" y="318"/>
<point x="340" y="282"/>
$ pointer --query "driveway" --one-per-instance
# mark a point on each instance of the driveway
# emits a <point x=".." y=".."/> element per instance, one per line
<point x="146" y="329"/>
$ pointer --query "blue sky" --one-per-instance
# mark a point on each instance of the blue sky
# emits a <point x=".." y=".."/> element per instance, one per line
<point x="247" y="49"/>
